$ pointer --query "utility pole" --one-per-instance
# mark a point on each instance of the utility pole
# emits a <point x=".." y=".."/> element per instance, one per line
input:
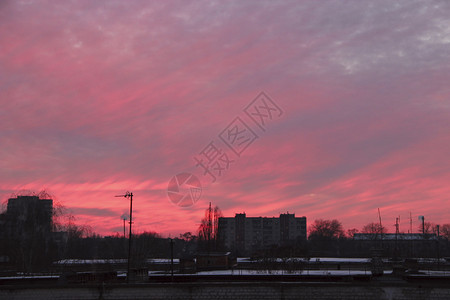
<point x="129" y="195"/>
<point x="124" y="228"/>
<point x="437" y="243"/>
<point x="422" y="218"/>
<point x="396" y="236"/>
<point x="410" y="223"/>
<point x="423" y="225"/>
<point x="209" y="228"/>
<point x="411" y="249"/>
<point x="381" y="229"/>
<point x="124" y="217"/>
<point x="171" y="258"/>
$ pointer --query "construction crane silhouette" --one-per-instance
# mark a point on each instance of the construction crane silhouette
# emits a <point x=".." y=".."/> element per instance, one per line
<point x="129" y="195"/>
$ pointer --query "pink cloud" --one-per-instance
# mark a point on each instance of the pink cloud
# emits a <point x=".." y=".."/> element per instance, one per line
<point x="102" y="98"/>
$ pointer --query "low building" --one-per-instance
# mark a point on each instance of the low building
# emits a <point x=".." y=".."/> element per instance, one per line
<point x="244" y="235"/>
<point x="398" y="245"/>
<point x="214" y="261"/>
<point x="394" y="236"/>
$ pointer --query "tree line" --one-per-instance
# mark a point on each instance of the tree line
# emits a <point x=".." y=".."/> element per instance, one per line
<point x="38" y="247"/>
<point x="334" y="229"/>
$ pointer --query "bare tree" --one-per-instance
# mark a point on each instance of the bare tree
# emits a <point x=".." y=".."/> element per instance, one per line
<point x="187" y="236"/>
<point x="374" y="228"/>
<point x="144" y="246"/>
<point x="208" y="229"/>
<point x="326" y="229"/>
<point x="445" y="231"/>
<point x="428" y="228"/>
<point x="351" y="232"/>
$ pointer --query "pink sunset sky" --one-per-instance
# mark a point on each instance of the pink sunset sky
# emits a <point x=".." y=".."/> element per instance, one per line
<point x="103" y="97"/>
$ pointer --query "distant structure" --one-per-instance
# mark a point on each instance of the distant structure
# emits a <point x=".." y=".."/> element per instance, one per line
<point x="243" y="234"/>
<point x="27" y="240"/>
<point x="26" y="214"/>
<point x="214" y="261"/>
<point x="397" y="244"/>
<point x="394" y="236"/>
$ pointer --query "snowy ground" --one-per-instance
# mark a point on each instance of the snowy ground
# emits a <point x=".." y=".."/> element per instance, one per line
<point x="275" y="272"/>
<point x="431" y="273"/>
<point x="255" y="272"/>
<point x="112" y="261"/>
<point x="281" y="272"/>
<point x="313" y="259"/>
<point x="239" y="260"/>
<point x="31" y="277"/>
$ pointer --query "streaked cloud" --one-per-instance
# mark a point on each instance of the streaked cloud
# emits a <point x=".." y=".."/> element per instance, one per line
<point x="102" y="97"/>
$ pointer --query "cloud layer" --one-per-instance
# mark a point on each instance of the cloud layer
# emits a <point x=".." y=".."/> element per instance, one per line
<point x="107" y="96"/>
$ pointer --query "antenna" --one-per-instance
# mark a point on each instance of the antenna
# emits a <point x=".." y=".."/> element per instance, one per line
<point x="379" y="217"/>
<point x="129" y="195"/>
<point x="410" y="222"/>
<point x="397" y="225"/>
<point x="381" y="227"/>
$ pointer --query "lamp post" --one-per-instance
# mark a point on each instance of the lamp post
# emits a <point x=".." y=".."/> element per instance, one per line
<point x="129" y="195"/>
<point x="437" y="246"/>
<point x="124" y="217"/>
<point x="124" y="228"/>
<point x="422" y="218"/>
<point x="171" y="258"/>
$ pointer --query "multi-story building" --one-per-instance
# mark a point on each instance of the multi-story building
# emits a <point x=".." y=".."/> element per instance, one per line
<point x="28" y="214"/>
<point x="243" y="234"/>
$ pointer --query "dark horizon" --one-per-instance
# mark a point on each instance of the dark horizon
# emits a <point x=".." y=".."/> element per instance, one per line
<point x="341" y="109"/>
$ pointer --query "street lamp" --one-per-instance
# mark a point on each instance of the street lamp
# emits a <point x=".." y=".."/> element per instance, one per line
<point x="422" y="218"/>
<point x="124" y="217"/>
<point x="129" y="195"/>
